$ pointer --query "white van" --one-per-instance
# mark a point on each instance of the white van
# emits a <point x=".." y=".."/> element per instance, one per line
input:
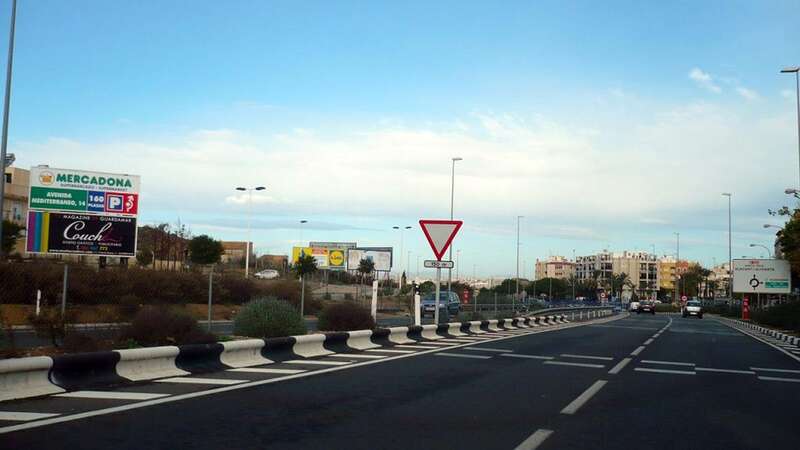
<point x="633" y="306"/>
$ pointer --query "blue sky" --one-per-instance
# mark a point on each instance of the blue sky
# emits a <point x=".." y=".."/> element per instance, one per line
<point x="604" y="124"/>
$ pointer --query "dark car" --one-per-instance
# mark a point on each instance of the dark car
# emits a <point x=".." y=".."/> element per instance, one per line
<point x="448" y="301"/>
<point x="646" y="307"/>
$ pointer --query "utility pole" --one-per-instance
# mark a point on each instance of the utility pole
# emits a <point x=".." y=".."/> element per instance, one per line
<point x="452" y="197"/>
<point x="6" y="103"/>
<point x="517" y="294"/>
<point x="677" y="265"/>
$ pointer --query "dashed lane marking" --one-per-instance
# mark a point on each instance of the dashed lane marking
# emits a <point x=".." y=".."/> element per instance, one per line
<point x="515" y="355"/>
<point x="266" y="370"/>
<point x="668" y="363"/>
<point x="534" y="440"/>
<point x="488" y="349"/>
<point x="112" y="395"/>
<point x="459" y="355"/>
<point x="576" y="404"/>
<point x="765" y="369"/>
<point x="711" y="369"/>
<point x="637" y="351"/>
<point x="356" y="356"/>
<point x="620" y="365"/>
<point x="184" y="380"/>
<point x="564" y="363"/>
<point x="602" y="358"/>
<point x="790" y="380"/>
<point x="387" y="350"/>
<point x="648" y="342"/>
<point x="425" y="347"/>
<point x="23" y="416"/>
<point x="317" y="363"/>
<point x="676" y="372"/>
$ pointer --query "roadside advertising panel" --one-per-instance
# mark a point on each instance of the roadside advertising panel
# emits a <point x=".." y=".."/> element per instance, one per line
<point x="81" y="191"/>
<point x="337" y="259"/>
<point x="764" y="276"/>
<point x="72" y="233"/>
<point x="333" y="245"/>
<point x="296" y="251"/>
<point x="321" y="255"/>
<point x="381" y="256"/>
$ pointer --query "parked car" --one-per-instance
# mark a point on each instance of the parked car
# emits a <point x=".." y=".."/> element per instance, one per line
<point x="692" y="308"/>
<point x="633" y="307"/>
<point x="448" y="301"/>
<point x="267" y="274"/>
<point x="646" y="307"/>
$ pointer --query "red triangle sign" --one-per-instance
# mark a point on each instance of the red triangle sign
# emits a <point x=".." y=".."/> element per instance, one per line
<point x="440" y="234"/>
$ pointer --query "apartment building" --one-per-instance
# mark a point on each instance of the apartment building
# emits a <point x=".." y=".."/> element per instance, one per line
<point x="554" y="267"/>
<point x="15" y="201"/>
<point x="641" y="268"/>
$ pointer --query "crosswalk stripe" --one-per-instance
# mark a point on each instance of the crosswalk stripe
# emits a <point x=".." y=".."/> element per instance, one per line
<point x="355" y="356"/>
<point x="23" y="416"/>
<point x="387" y="350"/>
<point x="186" y="380"/>
<point x="117" y="395"/>
<point x="265" y="370"/>
<point x="317" y="363"/>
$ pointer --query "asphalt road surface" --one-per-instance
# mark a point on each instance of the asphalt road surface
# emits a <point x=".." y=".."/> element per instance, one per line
<point x="640" y="382"/>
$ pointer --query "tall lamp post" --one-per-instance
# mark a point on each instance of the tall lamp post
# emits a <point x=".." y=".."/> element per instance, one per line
<point x="677" y="266"/>
<point x="795" y="70"/>
<point x="517" y="279"/>
<point x="249" y="217"/>
<point x="574" y="267"/>
<point x="452" y="197"/>
<point x="730" y="257"/>
<point x="769" y="253"/>
<point x="6" y="102"/>
<point x="400" y="275"/>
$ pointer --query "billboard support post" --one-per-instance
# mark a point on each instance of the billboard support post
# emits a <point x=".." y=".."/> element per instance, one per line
<point x="438" y="287"/>
<point x="64" y="292"/>
<point x="374" y="306"/>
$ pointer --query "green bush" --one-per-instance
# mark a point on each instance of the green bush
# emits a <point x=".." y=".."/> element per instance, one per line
<point x="465" y="316"/>
<point x="785" y="316"/>
<point x="346" y="316"/>
<point x="268" y="317"/>
<point x="153" y="326"/>
<point x="666" y="308"/>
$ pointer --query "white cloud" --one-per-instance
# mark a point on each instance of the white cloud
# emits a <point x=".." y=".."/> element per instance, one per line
<point x="788" y="94"/>
<point x="704" y="80"/>
<point x="748" y="94"/>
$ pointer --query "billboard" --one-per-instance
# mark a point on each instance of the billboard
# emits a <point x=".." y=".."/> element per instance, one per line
<point x="72" y="233"/>
<point x="81" y="191"/>
<point x="319" y="254"/>
<point x="761" y="276"/>
<point x="381" y="256"/>
<point x="333" y="245"/>
<point x="337" y="259"/>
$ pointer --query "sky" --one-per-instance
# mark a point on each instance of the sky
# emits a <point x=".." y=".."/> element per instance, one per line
<point x="607" y="125"/>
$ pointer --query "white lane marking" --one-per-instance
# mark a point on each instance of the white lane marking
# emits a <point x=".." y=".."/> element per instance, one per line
<point x="458" y="355"/>
<point x="387" y="350"/>
<point x="121" y="395"/>
<point x="515" y="355"/>
<point x="576" y="404"/>
<point x="355" y="356"/>
<point x="469" y="338"/>
<point x="264" y="370"/>
<point x="437" y="343"/>
<point x="747" y="333"/>
<point x="534" y="440"/>
<point x="223" y="389"/>
<point x="676" y="372"/>
<point x="564" y="363"/>
<point x="711" y="369"/>
<point x="183" y="380"/>
<point x="488" y="349"/>
<point x="668" y="363"/>
<point x="453" y="341"/>
<point x="637" y="351"/>
<point x="317" y="363"/>
<point x="602" y="358"/>
<point x="621" y="326"/>
<point x="790" y="380"/>
<point x="23" y="416"/>
<point x="765" y="369"/>
<point x="620" y="365"/>
<point x="648" y="342"/>
<point x="426" y="347"/>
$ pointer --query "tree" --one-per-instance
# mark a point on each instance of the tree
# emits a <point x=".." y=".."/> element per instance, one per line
<point x="11" y="232"/>
<point x="204" y="249"/>
<point x="305" y="265"/>
<point x="789" y="241"/>
<point x="365" y="267"/>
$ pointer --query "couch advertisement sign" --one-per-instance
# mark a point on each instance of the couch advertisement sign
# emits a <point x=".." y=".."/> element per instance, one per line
<point x="380" y="256"/>
<point x="761" y="276"/>
<point x="71" y="233"/>
<point x="80" y="191"/>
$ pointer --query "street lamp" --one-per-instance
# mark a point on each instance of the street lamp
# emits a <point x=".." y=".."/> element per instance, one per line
<point x="767" y="225"/>
<point x="764" y="247"/>
<point x="517" y="295"/>
<point x="401" y="228"/>
<point x="677" y="265"/>
<point x="6" y="101"/>
<point x="730" y="258"/>
<point x="795" y="71"/>
<point x="452" y="196"/>
<point x="249" y="217"/>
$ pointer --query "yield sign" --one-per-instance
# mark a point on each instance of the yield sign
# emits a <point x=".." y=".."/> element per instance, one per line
<point x="440" y="234"/>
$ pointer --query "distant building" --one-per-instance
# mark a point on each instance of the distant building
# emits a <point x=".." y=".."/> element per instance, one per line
<point x="15" y="201"/>
<point x="666" y="273"/>
<point x="234" y="251"/>
<point x="598" y="266"/>
<point x="721" y="276"/>
<point x="641" y="268"/>
<point x="277" y="262"/>
<point x="554" y="267"/>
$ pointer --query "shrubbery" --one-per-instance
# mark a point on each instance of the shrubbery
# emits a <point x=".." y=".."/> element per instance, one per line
<point x="785" y="316"/>
<point x="346" y="316"/>
<point x="268" y="317"/>
<point x="465" y="316"/>
<point x="154" y="326"/>
<point x="49" y="324"/>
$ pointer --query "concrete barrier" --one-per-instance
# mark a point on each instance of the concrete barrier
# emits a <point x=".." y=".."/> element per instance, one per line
<point x="360" y="340"/>
<point x="475" y="327"/>
<point x="245" y="353"/>
<point x="279" y="349"/>
<point x="454" y="329"/>
<point x="506" y="324"/>
<point x="429" y="332"/>
<point x="520" y="322"/>
<point x="415" y="333"/>
<point x="336" y="343"/>
<point x="310" y="345"/>
<point x="140" y="364"/>
<point x="399" y="335"/>
<point x="380" y="337"/>
<point x="26" y="377"/>
<point x="200" y="358"/>
<point x="492" y="326"/>
<point x="85" y="370"/>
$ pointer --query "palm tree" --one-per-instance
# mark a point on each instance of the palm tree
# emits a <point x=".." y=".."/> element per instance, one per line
<point x="306" y="265"/>
<point x="365" y="267"/>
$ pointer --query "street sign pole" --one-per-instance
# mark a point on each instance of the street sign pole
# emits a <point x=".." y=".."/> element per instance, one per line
<point x="436" y="303"/>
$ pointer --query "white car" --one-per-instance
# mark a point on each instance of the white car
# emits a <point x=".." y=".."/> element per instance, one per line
<point x="633" y="306"/>
<point x="268" y="274"/>
<point x="693" y="308"/>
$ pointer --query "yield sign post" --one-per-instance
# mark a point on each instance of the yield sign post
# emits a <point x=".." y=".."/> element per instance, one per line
<point x="440" y="234"/>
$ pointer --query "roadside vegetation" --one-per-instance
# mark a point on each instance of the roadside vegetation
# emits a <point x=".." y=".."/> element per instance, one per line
<point x="345" y="316"/>
<point x="267" y="318"/>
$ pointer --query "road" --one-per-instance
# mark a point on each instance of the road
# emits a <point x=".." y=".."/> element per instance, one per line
<point x="649" y="382"/>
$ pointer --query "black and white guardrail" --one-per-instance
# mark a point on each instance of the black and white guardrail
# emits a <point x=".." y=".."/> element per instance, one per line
<point x="38" y="376"/>
<point x="793" y="340"/>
